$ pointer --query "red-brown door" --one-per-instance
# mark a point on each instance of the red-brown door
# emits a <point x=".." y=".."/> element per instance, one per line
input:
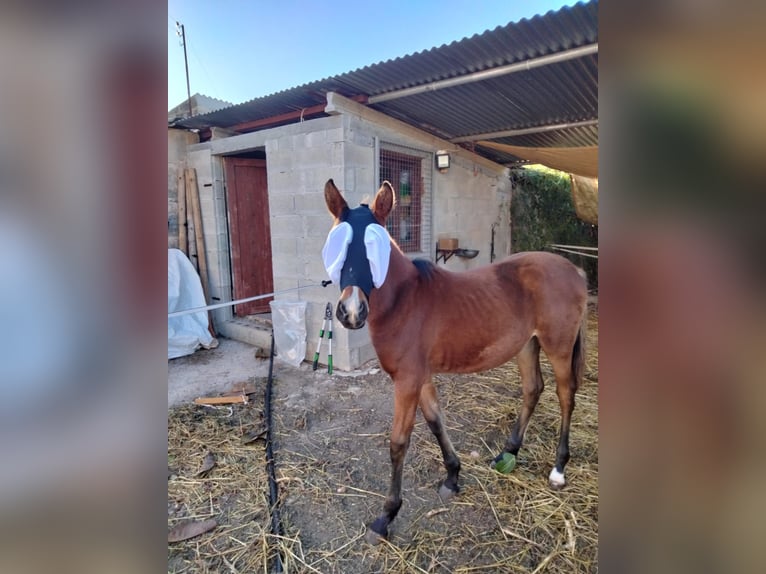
<point x="248" y="199"/>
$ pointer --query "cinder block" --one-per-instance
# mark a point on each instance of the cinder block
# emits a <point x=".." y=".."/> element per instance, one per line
<point x="279" y="160"/>
<point x="313" y="157"/>
<point x="286" y="266"/>
<point x="314" y="267"/>
<point x="285" y="143"/>
<point x="350" y="173"/>
<point x="315" y="178"/>
<point x="281" y="182"/>
<point x="359" y="156"/>
<point x="298" y="141"/>
<point x="337" y="154"/>
<point x="284" y="247"/>
<point x="312" y="202"/>
<point x="317" y="226"/>
<point x="335" y="135"/>
<point x="286" y="226"/>
<point x="316" y="139"/>
<point x="365" y="180"/>
<point x="360" y="138"/>
<point x="310" y="248"/>
<point x="282" y="204"/>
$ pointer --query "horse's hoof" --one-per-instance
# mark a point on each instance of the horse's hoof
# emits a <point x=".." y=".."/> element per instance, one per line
<point x="373" y="538"/>
<point x="556" y="479"/>
<point x="446" y="493"/>
<point x="376" y="532"/>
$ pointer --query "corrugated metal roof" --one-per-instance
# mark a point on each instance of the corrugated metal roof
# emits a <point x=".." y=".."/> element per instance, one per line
<point x="560" y="93"/>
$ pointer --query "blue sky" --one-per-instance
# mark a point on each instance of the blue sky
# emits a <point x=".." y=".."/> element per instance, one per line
<point x="239" y="50"/>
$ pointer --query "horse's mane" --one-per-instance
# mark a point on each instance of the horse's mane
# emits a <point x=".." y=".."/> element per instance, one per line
<point x="426" y="269"/>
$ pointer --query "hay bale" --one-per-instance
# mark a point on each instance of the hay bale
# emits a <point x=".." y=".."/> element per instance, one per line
<point x="585" y="198"/>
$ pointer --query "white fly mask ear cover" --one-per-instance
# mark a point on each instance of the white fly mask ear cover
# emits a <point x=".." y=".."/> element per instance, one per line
<point x="335" y="250"/>
<point x="378" y="246"/>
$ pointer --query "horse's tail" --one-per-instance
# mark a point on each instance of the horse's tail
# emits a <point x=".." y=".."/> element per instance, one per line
<point x="578" y="352"/>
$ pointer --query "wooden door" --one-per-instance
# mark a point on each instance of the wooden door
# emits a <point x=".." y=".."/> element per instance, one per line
<point x="248" y="200"/>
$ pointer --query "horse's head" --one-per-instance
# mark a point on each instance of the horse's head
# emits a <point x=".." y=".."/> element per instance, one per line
<point x="357" y="251"/>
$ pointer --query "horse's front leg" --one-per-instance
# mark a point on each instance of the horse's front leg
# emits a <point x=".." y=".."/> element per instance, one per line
<point x="406" y="393"/>
<point x="429" y="405"/>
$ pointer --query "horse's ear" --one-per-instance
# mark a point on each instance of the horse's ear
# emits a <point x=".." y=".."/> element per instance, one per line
<point x="383" y="203"/>
<point x="335" y="202"/>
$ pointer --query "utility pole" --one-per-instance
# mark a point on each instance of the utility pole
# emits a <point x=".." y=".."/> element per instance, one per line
<point x="182" y="33"/>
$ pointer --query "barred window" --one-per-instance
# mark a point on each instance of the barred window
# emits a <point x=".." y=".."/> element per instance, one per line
<point x="409" y="171"/>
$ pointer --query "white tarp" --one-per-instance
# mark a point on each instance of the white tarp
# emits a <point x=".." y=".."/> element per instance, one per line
<point x="186" y="333"/>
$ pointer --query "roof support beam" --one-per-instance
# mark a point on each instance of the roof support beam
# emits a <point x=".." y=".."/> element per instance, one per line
<point x="287" y="117"/>
<point x="524" y="131"/>
<point x="490" y="73"/>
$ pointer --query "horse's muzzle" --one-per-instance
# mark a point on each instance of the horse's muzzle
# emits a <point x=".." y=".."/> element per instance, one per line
<point x="352" y="308"/>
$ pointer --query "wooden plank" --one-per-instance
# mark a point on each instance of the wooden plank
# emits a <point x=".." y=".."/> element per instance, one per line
<point x="192" y="190"/>
<point x="181" y="187"/>
<point x="190" y="243"/>
<point x="242" y="389"/>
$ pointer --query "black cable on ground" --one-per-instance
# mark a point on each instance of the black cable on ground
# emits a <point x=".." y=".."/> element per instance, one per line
<point x="276" y="524"/>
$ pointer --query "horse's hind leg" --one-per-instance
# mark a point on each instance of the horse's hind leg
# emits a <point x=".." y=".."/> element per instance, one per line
<point x="566" y="386"/>
<point x="531" y="387"/>
<point x="429" y="405"/>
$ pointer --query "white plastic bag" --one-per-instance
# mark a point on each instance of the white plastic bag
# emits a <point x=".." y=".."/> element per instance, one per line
<point x="289" y="321"/>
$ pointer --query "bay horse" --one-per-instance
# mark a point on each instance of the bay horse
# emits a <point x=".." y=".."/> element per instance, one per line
<point x="424" y="320"/>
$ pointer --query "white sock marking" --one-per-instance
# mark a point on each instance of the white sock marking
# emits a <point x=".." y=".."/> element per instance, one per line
<point x="557" y="477"/>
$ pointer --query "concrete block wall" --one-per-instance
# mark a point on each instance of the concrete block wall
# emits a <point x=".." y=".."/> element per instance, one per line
<point x="298" y="166"/>
<point x="298" y="163"/>
<point x="469" y="201"/>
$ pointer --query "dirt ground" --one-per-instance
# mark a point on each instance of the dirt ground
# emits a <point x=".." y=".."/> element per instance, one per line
<point x="333" y="469"/>
<point x="209" y="371"/>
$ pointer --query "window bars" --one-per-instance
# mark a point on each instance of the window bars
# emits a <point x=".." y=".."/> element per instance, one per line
<point x="409" y="171"/>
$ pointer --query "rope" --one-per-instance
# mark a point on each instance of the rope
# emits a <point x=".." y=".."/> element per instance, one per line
<point x="245" y="300"/>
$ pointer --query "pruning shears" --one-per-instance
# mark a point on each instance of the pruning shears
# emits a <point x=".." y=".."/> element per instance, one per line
<point x="326" y="326"/>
